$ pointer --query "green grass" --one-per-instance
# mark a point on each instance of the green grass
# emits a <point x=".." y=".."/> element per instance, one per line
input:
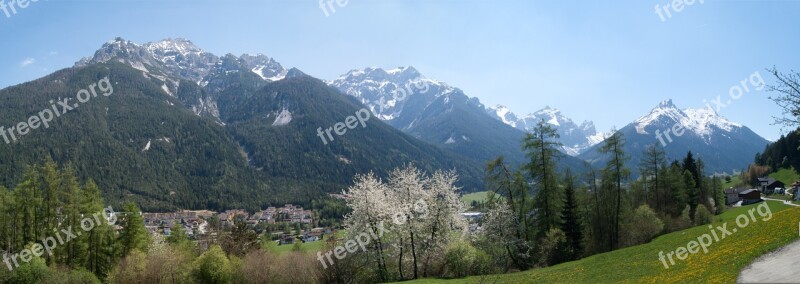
<point x="309" y="247"/>
<point x="481" y="196"/>
<point x="640" y="264"/>
<point x="735" y="181"/>
<point x="780" y="196"/>
<point x="787" y="176"/>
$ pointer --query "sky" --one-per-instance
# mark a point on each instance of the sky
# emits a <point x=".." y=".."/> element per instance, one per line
<point x="605" y="61"/>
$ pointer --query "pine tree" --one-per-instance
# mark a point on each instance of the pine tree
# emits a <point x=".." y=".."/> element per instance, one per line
<point x="570" y="220"/>
<point x="177" y="234"/>
<point x="134" y="235"/>
<point x="650" y="167"/>
<point x="691" y="191"/>
<point x="615" y="172"/>
<point x="541" y="147"/>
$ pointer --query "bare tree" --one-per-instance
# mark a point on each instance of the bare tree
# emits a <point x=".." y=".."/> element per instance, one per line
<point x="786" y="93"/>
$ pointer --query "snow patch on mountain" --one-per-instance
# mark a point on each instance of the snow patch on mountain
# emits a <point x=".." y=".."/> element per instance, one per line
<point x="701" y="122"/>
<point x="575" y="138"/>
<point x="505" y="115"/>
<point x="388" y="92"/>
<point x="283" y="118"/>
<point x="147" y="147"/>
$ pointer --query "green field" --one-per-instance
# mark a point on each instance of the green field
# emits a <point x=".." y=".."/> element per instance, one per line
<point x="481" y="196"/>
<point x="735" y="181"/>
<point x="787" y="176"/>
<point x="309" y="247"/>
<point x="640" y="264"/>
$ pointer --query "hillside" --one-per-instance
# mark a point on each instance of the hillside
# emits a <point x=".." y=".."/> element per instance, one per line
<point x="139" y="144"/>
<point x="640" y="264"/>
<point x="723" y="145"/>
<point x="168" y="143"/>
<point x="438" y="113"/>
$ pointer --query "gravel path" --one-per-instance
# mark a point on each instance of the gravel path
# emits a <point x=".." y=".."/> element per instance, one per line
<point x="781" y="266"/>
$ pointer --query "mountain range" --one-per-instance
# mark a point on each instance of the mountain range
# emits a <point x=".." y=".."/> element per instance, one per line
<point x="575" y="139"/>
<point x="723" y="145"/>
<point x="189" y="129"/>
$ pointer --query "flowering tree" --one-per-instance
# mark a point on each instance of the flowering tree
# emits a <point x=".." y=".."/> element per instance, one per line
<point x="421" y="214"/>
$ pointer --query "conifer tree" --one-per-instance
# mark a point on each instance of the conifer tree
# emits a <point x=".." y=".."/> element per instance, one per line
<point x="570" y="220"/>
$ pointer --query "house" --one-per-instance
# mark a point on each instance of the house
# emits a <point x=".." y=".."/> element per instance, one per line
<point x="732" y="195"/>
<point x="311" y="237"/>
<point x="750" y="196"/>
<point x="287" y="240"/>
<point x="768" y="185"/>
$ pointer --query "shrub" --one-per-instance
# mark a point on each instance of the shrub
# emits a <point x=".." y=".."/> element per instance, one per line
<point x="33" y="271"/>
<point x="552" y="248"/>
<point x="296" y="267"/>
<point x="129" y="269"/>
<point x="642" y="226"/>
<point x="702" y="216"/>
<point x="255" y="267"/>
<point x="459" y="257"/>
<point x="163" y="263"/>
<point x="67" y="276"/>
<point x="212" y="267"/>
<point x="483" y="263"/>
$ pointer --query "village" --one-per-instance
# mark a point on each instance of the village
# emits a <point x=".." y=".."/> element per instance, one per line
<point x="770" y="187"/>
<point x="284" y="225"/>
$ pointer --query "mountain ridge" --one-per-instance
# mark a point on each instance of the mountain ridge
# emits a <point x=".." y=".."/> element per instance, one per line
<point x="723" y="145"/>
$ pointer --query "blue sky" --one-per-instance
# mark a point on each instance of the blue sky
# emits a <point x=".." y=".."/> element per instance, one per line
<point x="605" y="61"/>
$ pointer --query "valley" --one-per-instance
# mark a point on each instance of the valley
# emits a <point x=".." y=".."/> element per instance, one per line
<point x="350" y="142"/>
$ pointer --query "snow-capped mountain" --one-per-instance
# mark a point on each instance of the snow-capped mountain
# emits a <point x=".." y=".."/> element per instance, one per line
<point x="388" y="92"/>
<point x="435" y="112"/>
<point x="723" y="145"/>
<point x="432" y="111"/>
<point x="701" y="122"/>
<point x="171" y="61"/>
<point x="180" y="58"/>
<point x="575" y="138"/>
<point x="265" y="67"/>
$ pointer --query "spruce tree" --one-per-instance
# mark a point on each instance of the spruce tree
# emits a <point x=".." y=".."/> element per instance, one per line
<point x="570" y="220"/>
<point x="134" y="235"/>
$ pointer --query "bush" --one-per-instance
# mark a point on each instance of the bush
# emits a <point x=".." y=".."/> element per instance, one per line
<point x="459" y="257"/>
<point x="552" y="248"/>
<point x="163" y="263"/>
<point x="483" y="263"/>
<point x="212" y="267"/>
<point x="130" y="268"/>
<point x="641" y="227"/>
<point x="67" y="276"/>
<point x="33" y="271"/>
<point x="296" y="267"/>
<point x="702" y="216"/>
<point x="255" y="267"/>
